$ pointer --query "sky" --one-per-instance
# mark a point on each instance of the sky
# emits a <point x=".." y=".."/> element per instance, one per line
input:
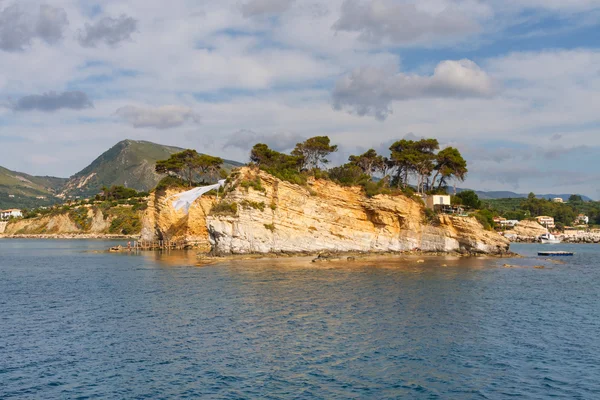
<point x="513" y="84"/>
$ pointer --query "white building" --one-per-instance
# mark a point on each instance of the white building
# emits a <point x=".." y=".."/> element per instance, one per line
<point x="546" y="222"/>
<point x="12" y="213"/>
<point x="583" y="219"/>
<point x="509" y="223"/>
<point x="438" y="201"/>
<point x="558" y="200"/>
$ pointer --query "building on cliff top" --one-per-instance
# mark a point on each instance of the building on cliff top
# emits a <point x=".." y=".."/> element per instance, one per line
<point x="546" y="222"/>
<point x="12" y="213"/>
<point x="439" y="202"/>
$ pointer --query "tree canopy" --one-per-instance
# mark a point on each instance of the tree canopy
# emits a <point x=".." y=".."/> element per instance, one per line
<point x="189" y="164"/>
<point x="369" y="162"/>
<point x="408" y="159"/>
<point x="419" y="159"/>
<point x="469" y="198"/>
<point x="313" y="152"/>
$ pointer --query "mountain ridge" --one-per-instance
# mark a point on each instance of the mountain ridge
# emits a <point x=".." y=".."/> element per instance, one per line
<point x="137" y="158"/>
<point x="128" y="163"/>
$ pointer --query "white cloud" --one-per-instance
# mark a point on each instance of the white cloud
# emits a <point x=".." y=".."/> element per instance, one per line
<point x="163" y="117"/>
<point x="52" y="101"/>
<point x="19" y="26"/>
<point x="244" y="139"/>
<point x="254" y="8"/>
<point x="108" y="30"/>
<point x="397" y="22"/>
<point x="371" y="91"/>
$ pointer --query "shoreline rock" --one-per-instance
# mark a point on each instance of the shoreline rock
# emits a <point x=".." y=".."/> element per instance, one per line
<point x="318" y="257"/>
<point x="73" y="236"/>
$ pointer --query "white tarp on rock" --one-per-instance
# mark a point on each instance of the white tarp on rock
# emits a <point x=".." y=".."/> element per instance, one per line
<point x="184" y="200"/>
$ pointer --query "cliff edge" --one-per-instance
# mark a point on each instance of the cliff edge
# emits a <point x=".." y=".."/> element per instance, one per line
<point x="162" y="222"/>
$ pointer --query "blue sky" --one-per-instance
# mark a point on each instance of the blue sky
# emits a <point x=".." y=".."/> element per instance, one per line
<point x="513" y="84"/>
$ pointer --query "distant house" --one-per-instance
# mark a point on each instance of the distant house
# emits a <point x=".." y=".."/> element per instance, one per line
<point x="506" y="223"/>
<point x="41" y="197"/>
<point x="545" y="221"/>
<point x="12" y="213"/>
<point x="438" y="202"/>
<point x="582" y="219"/>
<point x="12" y="196"/>
<point x="558" y="200"/>
<point x="509" y="223"/>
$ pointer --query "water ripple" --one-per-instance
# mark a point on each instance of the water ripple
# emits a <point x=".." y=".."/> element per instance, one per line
<point x="75" y="324"/>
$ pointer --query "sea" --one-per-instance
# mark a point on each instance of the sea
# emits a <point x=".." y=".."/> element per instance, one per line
<point x="77" y="322"/>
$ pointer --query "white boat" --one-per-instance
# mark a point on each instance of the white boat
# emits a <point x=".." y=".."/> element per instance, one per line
<point x="548" y="238"/>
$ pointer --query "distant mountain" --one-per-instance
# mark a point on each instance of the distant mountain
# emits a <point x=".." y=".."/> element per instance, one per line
<point x="129" y="163"/>
<point x="20" y="190"/>
<point x="512" y="195"/>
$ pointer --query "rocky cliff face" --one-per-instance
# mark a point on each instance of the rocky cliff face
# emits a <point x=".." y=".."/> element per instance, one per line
<point x="162" y="222"/>
<point x="94" y="224"/>
<point x="283" y="217"/>
<point x="527" y="230"/>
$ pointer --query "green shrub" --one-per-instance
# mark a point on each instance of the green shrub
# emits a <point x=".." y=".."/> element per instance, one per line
<point x="288" y="175"/>
<point x="253" y="204"/>
<point x="270" y="227"/>
<point x="80" y="217"/>
<point x="255" y="184"/>
<point x="125" y="221"/>
<point x="141" y="206"/>
<point x="169" y="182"/>
<point x="224" y="208"/>
<point x="429" y="216"/>
<point x="485" y="218"/>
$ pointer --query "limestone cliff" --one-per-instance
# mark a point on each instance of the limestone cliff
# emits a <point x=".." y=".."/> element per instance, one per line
<point x="527" y="230"/>
<point x="262" y="214"/>
<point x="162" y="222"/>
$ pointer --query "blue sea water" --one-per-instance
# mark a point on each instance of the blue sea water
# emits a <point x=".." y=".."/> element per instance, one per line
<point x="79" y="324"/>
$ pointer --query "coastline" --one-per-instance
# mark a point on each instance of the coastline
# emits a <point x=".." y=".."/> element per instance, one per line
<point x="71" y="237"/>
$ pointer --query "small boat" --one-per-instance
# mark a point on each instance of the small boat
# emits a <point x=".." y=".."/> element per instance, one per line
<point x="555" y="253"/>
<point x="548" y="238"/>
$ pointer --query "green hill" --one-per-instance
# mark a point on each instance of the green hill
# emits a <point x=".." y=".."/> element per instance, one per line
<point x="129" y="163"/>
<point x="19" y="190"/>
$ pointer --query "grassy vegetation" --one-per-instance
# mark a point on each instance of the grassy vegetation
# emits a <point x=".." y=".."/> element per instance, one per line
<point x="270" y="227"/>
<point x="253" y="204"/>
<point x="224" y="208"/>
<point x="171" y="182"/>
<point x="125" y="221"/>
<point x="80" y="217"/>
<point x="255" y="184"/>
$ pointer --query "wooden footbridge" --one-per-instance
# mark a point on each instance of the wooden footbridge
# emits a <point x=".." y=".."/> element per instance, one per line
<point x="145" y="245"/>
<point x="152" y="245"/>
